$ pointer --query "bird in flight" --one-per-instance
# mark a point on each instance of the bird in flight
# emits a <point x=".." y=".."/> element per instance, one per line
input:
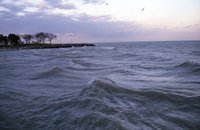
<point x="142" y="10"/>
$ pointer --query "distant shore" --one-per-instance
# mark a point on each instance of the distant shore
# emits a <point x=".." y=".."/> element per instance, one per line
<point x="44" y="46"/>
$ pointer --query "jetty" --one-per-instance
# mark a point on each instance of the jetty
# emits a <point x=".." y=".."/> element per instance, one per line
<point x="44" y="46"/>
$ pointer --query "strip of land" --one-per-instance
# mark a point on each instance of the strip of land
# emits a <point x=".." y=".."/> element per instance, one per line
<point x="44" y="46"/>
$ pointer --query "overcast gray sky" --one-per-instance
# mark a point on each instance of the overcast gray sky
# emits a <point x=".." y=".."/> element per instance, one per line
<point x="103" y="20"/>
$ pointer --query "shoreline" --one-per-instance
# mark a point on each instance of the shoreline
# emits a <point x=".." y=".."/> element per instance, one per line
<point x="45" y="46"/>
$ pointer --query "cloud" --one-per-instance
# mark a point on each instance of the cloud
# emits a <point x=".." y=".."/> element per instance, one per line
<point x="90" y="27"/>
<point x="59" y="11"/>
<point x="42" y="7"/>
<point x="94" y="2"/>
<point x="24" y="2"/>
<point x="68" y="6"/>
<point x="31" y="9"/>
<point x="64" y="4"/>
<point x="86" y="28"/>
<point x="4" y="9"/>
<point x="64" y="18"/>
<point x="23" y="7"/>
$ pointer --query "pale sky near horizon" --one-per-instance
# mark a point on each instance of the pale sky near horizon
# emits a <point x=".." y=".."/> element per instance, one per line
<point x="103" y="20"/>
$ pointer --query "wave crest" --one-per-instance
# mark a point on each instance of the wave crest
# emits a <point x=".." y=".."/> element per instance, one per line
<point x="189" y="67"/>
<point x="107" y="105"/>
<point x="55" y="71"/>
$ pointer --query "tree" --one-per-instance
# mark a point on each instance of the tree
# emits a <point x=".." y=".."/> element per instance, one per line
<point x="27" y="38"/>
<point x="51" y="36"/>
<point x="3" y="40"/>
<point x="40" y="37"/>
<point x="14" y="39"/>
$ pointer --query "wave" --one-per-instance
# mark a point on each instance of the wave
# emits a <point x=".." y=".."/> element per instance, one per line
<point x="107" y="105"/>
<point x="106" y="86"/>
<point x="124" y="104"/>
<point x="82" y="63"/>
<point x="153" y="87"/>
<point x="87" y="65"/>
<point x="104" y="104"/>
<point x="197" y="53"/>
<point x="55" y="71"/>
<point x="108" y="48"/>
<point x="189" y="64"/>
<point x="189" y="67"/>
<point x="6" y="123"/>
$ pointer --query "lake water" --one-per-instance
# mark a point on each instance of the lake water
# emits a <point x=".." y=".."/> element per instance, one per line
<point x="113" y="86"/>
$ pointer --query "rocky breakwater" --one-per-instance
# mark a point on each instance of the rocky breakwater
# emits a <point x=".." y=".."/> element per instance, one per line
<point x="45" y="46"/>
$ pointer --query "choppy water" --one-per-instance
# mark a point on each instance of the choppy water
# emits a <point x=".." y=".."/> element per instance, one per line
<point x="126" y="86"/>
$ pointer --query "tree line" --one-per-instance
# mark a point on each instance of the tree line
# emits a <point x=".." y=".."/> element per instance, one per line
<point x="15" y="39"/>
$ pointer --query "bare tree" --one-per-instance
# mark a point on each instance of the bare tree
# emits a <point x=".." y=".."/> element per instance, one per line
<point x="40" y="37"/>
<point x="51" y="36"/>
<point x="27" y="38"/>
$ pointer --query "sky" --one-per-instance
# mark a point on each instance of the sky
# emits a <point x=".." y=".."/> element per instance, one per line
<point x="103" y="20"/>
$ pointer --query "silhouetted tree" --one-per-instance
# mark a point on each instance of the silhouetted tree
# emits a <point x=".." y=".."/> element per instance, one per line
<point x="14" y="39"/>
<point x="40" y="37"/>
<point x="3" y="40"/>
<point x="27" y="38"/>
<point x="51" y="36"/>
